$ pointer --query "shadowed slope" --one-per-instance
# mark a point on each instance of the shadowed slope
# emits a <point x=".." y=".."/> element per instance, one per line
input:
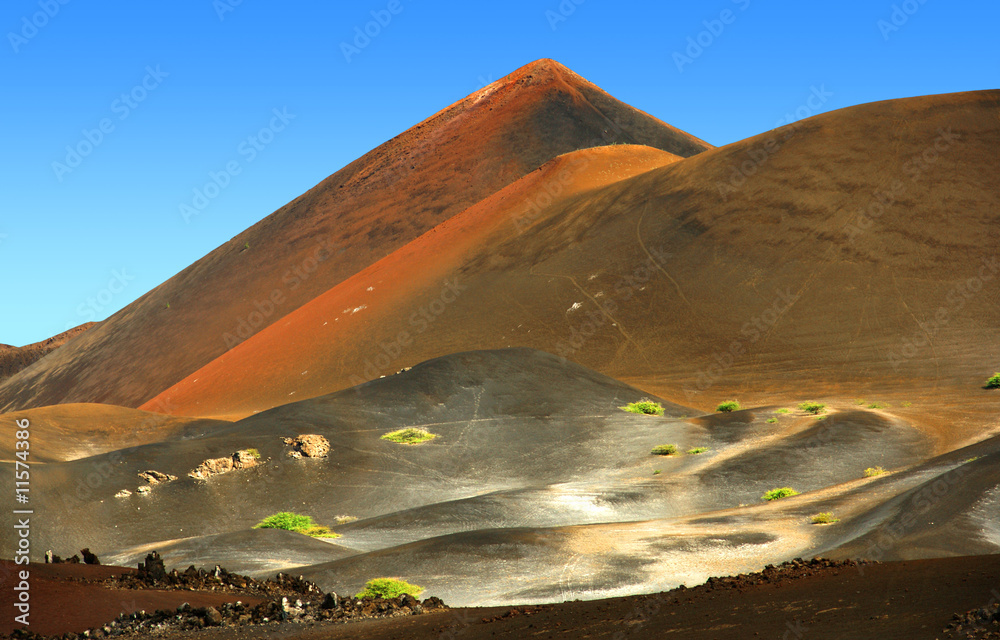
<point x="858" y="255"/>
<point x="14" y="359"/>
<point x="353" y="218"/>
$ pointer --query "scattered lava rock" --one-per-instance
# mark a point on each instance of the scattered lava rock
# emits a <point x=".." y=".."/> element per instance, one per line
<point x="88" y="558"/>
<point x="289" y="600"/>
<point x="242" y="459"/>
<point x="308" y="446"/>
<point x="156" y="477"/>
<point x="979" y="624"/>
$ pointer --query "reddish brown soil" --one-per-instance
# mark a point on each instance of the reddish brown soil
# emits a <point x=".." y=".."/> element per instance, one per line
<point x="906" y="600"/>
<point x="60" y="604"/>
<point x="355" y="217"/>
<point x="14" y="359"/>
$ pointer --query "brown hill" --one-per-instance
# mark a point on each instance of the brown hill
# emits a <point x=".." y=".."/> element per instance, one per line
<point x="283" y="364"/>
<point x="14" y="359"/>
<point x="851" y="254"/>
<point x="350" y="220"/>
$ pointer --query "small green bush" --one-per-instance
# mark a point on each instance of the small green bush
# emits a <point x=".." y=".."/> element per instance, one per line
<point x="813" y="407"/>
<point x="872" y="472"/>
<point x="697" y="450"/>
<point x="664" y="450"/>
<point x="297" y="523"/>
<point x="859" y="401"/>
<point x="656" y="472"/>
<point x="254" y="453"/>
<point x="907" y="405"/>
<point x="647" y="407"/>
<point x="777" y="494"/>
<point x="388" y="588"/>
<point x="772" y="420"/>
<point x="783" y="411"/>
<point x="728" y="406"/>
<point x="409" y="436"/>
<point x="994" y="381"/>
<point x="824" y="518"/>
<point x="877" y="405"/>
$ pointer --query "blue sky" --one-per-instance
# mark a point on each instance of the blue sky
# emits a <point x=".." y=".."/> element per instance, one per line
<point x="182" y="90"/>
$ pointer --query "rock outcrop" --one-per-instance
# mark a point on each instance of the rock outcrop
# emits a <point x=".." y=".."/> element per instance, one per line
<point x="308" y="446"/>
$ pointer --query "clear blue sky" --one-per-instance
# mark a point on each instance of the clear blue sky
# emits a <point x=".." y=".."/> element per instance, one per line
<point x="110" y="228"/>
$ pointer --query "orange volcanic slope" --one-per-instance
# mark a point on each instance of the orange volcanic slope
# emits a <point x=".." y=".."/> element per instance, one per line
<point x="851" y="254"/>
<point x="292" y="359"/>
<point x="349" y="221"/>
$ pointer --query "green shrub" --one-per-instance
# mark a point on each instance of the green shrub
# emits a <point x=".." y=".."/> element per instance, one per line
<point x="877" y="405"/>
<point x="409" y="436"/>
<point x="783" y="411"/>
<point x="728" y="406"/>
<point x="777" y="494"/>
<point x="656" y="472"/>
<point x="664" y="450"/>
<point x="872" y="472"/>
<point x="994" y="381"/>
<point x="697" y="450"/>
<point x="907" y="405"/>
<point x="647" y="407"/>
<point x="388" y="588"/>
<point x="824" y="518"/>
<point x="813" y="407"/>
<point x="859" y="401"/>
<point x="297" y="523"/>
<point x="254" y="453"/>
<point x="772" y="420"/>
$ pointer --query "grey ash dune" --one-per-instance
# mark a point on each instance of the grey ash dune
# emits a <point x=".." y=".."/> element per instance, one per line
<point x="537" y="479"/>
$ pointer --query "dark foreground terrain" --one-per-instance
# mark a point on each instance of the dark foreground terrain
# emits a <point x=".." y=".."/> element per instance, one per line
<point x="801" y="599"/>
